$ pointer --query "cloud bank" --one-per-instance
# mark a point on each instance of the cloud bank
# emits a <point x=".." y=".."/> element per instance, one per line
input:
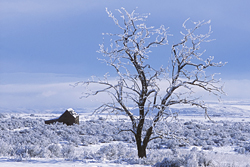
<point x="60" y="95"/>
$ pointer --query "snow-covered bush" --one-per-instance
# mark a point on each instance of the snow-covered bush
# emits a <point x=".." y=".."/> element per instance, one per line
<point x="68" y="152"/>
<point x="111" y="152"/>
<point x="2" y="116"/>
<point x="89" y="139"/>
<point x="247" y="147"/>
<point x="6" y="149"/>
<point x="24" y="138"/>
<point x="192" y="159"/>
<point x="55" y="150"/>
<point x="171" y="162"/>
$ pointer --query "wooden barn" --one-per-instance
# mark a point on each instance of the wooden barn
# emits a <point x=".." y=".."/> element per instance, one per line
<point x="69" y="117"/>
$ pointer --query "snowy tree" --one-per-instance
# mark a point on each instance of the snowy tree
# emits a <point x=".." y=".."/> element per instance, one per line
<point x="138" y="83"/>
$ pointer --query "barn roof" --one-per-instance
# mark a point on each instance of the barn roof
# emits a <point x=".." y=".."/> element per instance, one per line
<point x="72" y="112"/>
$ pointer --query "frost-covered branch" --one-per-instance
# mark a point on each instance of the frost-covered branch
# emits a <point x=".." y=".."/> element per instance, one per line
<point x="137" y="85"/>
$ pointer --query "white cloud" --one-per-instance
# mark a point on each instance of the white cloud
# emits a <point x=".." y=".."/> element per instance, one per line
<point x="237" y="89"/>
<point x="62" y="95"/>
<point x="46" y="96"/>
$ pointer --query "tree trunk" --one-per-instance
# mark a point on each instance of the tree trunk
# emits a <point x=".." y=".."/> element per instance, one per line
<point x="141" y="150"/>
<point x="141" y="146"/>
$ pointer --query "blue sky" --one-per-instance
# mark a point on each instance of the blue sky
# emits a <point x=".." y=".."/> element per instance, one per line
<point x="45" y="42"/>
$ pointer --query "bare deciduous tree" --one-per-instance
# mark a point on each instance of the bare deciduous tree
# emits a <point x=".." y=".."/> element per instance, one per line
<point x="138" y="82"/>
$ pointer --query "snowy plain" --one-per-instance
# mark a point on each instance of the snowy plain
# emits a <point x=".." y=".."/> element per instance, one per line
<point x="224" y="141"/>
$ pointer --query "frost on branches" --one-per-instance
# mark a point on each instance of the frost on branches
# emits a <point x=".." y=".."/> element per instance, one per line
<point x="137" y="81"/>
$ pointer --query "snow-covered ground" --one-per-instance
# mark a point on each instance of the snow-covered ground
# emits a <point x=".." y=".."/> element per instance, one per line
<point x="225" y="141"/>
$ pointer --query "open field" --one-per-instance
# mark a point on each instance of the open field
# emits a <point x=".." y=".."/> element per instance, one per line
<point x="225" y="141"/>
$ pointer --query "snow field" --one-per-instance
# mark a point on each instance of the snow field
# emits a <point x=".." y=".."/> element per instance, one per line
<point x="25" y="139"/>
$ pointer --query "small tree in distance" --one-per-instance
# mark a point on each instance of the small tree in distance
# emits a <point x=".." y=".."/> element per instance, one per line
<point x="137" y="81"/>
